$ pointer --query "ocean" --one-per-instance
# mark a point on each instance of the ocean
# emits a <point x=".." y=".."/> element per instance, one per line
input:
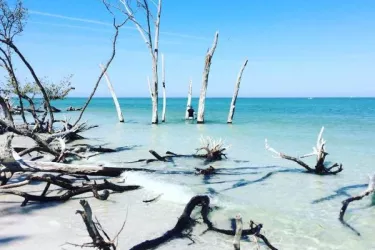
<point x="298" y="210"/>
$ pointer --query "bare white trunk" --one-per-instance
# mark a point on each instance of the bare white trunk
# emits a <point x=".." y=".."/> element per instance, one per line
<point x="237" y="236"/>
<point x="149" y="87"/>
<point x="110" y="87"/>
<point x="164" y="93"/>
<point x="189" y="99"/>
<point x="206" y="72"/>
<point x="235" y="94"/>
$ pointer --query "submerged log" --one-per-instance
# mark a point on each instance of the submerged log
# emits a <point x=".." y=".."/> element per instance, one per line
<point x="320" y="153"/>
<point x="206" y="72"/>
<point x="110" y="87"/>
<point x="235" y="94"/>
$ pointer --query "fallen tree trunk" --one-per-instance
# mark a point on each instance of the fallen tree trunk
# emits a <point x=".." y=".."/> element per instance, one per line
<point x="71" y="190"/>
<point x="185" y="222"/>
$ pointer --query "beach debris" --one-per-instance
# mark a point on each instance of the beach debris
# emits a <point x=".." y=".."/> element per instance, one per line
<point x="369" y="191"/>
<point x="100" y="238"/>
<point x="238" y="234"/>
<point x="235" y="94"/>
<point x="153" y="199"/>
<point x="70" y="189"/>
<point x="318" y="151"/>
<point x="183" y="227"/>
<point x="206" y="72"/>
<point x="208" y="171"/>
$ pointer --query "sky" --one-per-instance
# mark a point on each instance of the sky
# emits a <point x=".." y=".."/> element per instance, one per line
<point x="321" y="48"/>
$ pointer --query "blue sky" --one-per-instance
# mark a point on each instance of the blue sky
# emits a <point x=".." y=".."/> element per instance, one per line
<point x="295" y="48"/>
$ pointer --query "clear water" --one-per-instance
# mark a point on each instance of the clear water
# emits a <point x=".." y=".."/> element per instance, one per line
<point x="287" y="202"/>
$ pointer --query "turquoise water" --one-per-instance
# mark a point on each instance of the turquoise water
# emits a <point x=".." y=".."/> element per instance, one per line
<point x="286" y="202"/>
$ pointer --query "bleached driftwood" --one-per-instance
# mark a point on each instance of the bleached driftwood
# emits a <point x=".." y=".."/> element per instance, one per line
<point x="188" y="105"/>
<point x="206" y="72"/>
<point x="214" y="148"/>
<point x="370" y="190"/>
<point x="115" y="100"/>
<point x="238" y="234"/>
<point x="235" y="94"/>
<point x="152" y="46"/>
<point x="320" y="153"/>
<point x="150" y="87"/>
<point x="164" y="92"/>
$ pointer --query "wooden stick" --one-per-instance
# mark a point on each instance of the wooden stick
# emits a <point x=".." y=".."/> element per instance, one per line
<point x="115" y="100"/>
<point x="235" y="94"/>
<point x="206" y="72"/>
<point x="237" y="236"/>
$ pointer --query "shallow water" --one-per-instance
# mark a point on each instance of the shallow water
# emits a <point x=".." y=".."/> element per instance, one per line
<point x="298" y="210"/>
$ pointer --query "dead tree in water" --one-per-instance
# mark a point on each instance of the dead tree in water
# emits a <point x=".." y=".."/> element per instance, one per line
<point x="206" y="72"/>
<point x="188" y="105"/>
<point x="153" y="46"/>
<point x="320" y="153"/>
<point x="235" y="94"/>
<point x="185" y="223"/>
<point x="115" y="100"/>
<point x="369" y="191"/>
<point x="164" y="93"/>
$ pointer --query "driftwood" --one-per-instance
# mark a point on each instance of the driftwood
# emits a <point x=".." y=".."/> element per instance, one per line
<point x="185" y="223"/>
<point x="115" y="100"/>
<point x="369" y="191"/>
<point x="235" y="94"/>
<point x="72" y="190"/>
<point x="238" y="234"/>
<point x="188" y="105"/>
<point x="208" y="171"/>
<point x="100" y="238"/>
<point x="320" y="153"/>
<point x="206" y="72"/>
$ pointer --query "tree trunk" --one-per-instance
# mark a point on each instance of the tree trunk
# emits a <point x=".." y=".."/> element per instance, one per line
<point x="110" y="87"/>
<point x="235" y="94"/>
<point x="6" y="112"/>
<point x="189" y="99"/>
<point x="237" y="236"/>
<point x="206" y="73"/>
<point x="164" y="94"/>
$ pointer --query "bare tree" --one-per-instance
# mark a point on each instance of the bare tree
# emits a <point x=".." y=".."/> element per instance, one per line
<point x="206" y="72"/>
<point x="12" y="23"/>
<point x="153" y="46"/>
<point x="235" y="94"/>
<point x="110" y="87"/>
